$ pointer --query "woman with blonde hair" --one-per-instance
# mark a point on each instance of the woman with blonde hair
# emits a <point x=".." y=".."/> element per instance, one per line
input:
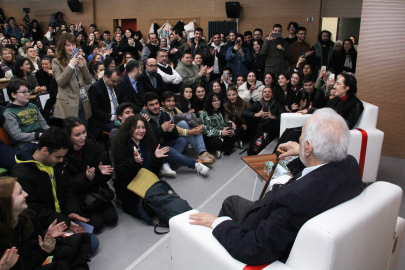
<point x="71" y="75"/>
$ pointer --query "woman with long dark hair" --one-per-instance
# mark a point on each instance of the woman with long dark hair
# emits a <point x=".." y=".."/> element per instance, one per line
<point x="22" y="71"/>
<point x="283" y="93"/>
<point x="218" y="135"/>
<point x="184" y="100"/>
<point x="126" y="57"/>
<point x="198" y="100"/>
<point x="258" y="61"/>
<point x="90" y="168"/>
<point x="118" y="47"/>
<point x="234" y="108"/>
<point x="21" y="230"/>
<point x="135" y="147"/>
<point x="71" y="75"/>
<point x="36" y="31"/>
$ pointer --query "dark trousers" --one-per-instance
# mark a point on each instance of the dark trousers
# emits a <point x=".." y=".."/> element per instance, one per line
<point x="105" y="214"/>
<point x="215" y="143"/>
<point x="241" y="135"/>
<point x="290" y="134"/>
<point x="130" y="202"/>
<point x="7" y="157"/>
<point x="236" y="208"/>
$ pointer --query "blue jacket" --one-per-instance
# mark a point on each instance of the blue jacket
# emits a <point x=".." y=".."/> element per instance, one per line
<point x="11" y="33"/>
<point x="238" y="63"/>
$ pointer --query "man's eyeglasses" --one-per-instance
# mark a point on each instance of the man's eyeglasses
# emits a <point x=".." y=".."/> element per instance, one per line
<point x="25" y="93"/>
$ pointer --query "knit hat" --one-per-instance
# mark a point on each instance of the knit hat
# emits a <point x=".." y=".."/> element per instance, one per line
<point x="25" y="40"/>
<point x="234" y="32"/>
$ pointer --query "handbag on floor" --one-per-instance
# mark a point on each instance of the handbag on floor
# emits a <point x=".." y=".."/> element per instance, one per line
<point x="159" y="196"/>
<point x="260" y="139"/>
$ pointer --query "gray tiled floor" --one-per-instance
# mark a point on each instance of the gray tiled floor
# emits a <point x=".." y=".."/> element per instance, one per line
<point x="132" y="244"/>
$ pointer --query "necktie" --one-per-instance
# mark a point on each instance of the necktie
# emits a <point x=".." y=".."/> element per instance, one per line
<point x="114" y="99"/>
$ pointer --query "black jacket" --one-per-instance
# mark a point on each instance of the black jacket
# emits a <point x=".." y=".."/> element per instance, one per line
<point x="126" y="168"/>
<point x="129" y="93"/>
<point x="221" y="55"/>
<point x="148" y="87"/>
<point x="280" y="97"/>
<point x="317" y="98"/>
<point x="93" y="154"/>
<point x="117" y="49"/>
<point x="202" y="49"/>
<point x="275" y="109"/>
<point x="162" y="137"/>
<point x="133" y="49"/>
<point x="350" y="110"/>
<point x="270" y="227"/>
<point x="43" y="78"/>
<point x="258" y="65"/>
<point x="101" y="106"/>
<point x="68" y="251"/>
<point x="38" y="185"/>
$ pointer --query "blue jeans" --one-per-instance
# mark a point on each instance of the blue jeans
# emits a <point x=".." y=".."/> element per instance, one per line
<point x="175" y="154"/>
<point x="196" y="141"/>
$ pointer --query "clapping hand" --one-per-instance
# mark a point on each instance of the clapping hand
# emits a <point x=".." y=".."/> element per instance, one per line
<point x="210" y="69"/>
<point x="294" y="106"/>
<point x="159" y="153"/>
<point x="9" y="259"/>
<point x="57" y="230"/>
<point x="303" y="103"/>
<point x="90" y="172"/>
<point x="48" y="245"/>
<point x="105" y="169"/>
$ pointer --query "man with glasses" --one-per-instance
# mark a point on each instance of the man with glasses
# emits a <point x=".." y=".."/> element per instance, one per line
<point x="151" y="80"/>
<point x="257" y="33"/>
<point x="24" y="123"/>
<point x="170" y="77"/>
<point x="292" y="33"/>
<point x="105" y="95"/>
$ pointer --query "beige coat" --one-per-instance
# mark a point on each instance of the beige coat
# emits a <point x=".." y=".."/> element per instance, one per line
<point x="68" y="98"/>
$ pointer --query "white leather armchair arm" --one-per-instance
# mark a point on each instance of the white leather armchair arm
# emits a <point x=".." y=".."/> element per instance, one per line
<point x="194" y="247"/>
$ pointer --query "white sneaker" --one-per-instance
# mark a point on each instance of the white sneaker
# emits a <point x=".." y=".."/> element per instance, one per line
<point x="218" y="154"/>
<point x="167" y="171"/>
<point x="201" y="169"/>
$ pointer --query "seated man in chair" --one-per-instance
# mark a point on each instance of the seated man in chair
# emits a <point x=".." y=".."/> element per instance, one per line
<point x="264" y="231"/>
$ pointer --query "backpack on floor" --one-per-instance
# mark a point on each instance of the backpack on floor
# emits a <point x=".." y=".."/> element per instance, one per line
<point x="260" y="139"/>
<point x="164" y="202"/>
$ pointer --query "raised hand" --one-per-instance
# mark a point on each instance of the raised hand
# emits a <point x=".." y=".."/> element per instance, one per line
<point x="303" y="103"/>
<point x="105" y="169"/>
<point x="145" y="116"/>
<point x="57" y="230"/>
<point x="48" y="245"/>
<point x="259" y="114"/>
<point x="159" y="153"/>
<point x="210" y="69"/>
<point x="9" y="259"/>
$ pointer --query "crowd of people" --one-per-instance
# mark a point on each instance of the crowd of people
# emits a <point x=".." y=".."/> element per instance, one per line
<point x="152" y="98"/>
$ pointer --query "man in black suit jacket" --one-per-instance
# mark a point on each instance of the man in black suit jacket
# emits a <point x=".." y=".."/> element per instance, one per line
<point x="105" y="96"/>
<point x="132" y="89"/>
<point x="264" y="231"/>
<point x="151" y="80"/>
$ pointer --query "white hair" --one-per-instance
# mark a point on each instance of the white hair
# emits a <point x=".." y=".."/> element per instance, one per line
<point x="329" y="134"/>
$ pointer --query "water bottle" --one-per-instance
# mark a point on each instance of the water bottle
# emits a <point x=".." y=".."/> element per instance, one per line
<point x="258" y="143"/>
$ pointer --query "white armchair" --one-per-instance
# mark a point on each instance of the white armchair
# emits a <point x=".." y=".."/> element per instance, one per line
<point x="357" y="234"/>
<point x="365" y="143"/>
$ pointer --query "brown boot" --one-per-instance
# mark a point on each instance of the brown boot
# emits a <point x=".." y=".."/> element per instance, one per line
<point x="204" y="159"/>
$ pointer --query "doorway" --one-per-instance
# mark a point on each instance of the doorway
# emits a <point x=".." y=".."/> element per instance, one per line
<point x="125" y="24"/>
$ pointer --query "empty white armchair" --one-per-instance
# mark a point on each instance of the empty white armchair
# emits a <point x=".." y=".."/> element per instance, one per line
<point x="357" y="234"/>
<point x="365" y="142"/>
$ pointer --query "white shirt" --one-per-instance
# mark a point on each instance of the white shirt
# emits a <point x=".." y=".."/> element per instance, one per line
<point x="304" y="172"/>
<point x="170" y="79"/>
<point x="111" y="100"/>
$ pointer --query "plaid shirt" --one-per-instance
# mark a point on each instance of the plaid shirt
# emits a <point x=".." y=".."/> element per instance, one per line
<point x="213" y="124"/>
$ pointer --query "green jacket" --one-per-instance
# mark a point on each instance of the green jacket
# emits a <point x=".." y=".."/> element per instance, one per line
<point x="189" y="74"/>
<point x="213" y="124"/>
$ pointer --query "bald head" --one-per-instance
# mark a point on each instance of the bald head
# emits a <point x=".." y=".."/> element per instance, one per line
<point x="151" y="66"/>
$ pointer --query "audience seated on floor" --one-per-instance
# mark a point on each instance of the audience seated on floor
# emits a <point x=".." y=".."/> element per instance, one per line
<point x="166" y="134"/>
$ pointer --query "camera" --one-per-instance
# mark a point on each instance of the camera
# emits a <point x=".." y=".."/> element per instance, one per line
<point x="27" y="10"/>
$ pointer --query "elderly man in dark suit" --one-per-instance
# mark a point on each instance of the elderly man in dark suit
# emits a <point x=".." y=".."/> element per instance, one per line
<point x="151" y="80"/>
<point x="132" y="89"/>
<point x="264" y="231"/>
<point x="105" y="96"/>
